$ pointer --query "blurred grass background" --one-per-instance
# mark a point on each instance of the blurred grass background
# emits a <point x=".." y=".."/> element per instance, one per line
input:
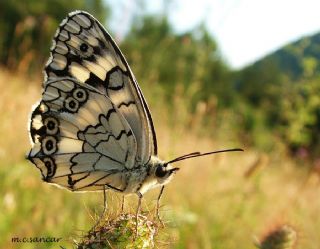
<point x="270" y="109"/>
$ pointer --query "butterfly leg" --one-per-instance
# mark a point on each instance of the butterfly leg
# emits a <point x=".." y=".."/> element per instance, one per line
<point x="158" y="205"/>
<point x="122" y="205"/>
<point x="105" y="204"/>
<point x="103" y="212"/>
<point x="138" y="211"/>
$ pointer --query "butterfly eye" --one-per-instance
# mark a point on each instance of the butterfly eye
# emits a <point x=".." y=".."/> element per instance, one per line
<point x="51" y="125"/>
<point x="71" y="104"/>
<point x="80" y="94"/>
<point x="49" y="145"/>
<point x="50" y="166"/>
<point x="160" y="171"/>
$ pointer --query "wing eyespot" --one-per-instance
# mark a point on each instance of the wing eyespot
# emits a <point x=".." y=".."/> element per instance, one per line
<point x="80" y="94"/>
<point x="49" y="145"/>
<point x="52" y="125"/>
<point x="71" y="104"/>
<point x="50" y="166"/>
<point x="84" y="47"/>
<point x="84" y="51"/>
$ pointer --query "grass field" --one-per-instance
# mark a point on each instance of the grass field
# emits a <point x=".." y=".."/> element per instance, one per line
<point x="212" y="202"/>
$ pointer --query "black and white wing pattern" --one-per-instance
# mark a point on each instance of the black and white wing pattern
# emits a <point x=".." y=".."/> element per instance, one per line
<point x="80" y="139"/>
<point x="92" y="126"/>
<point x="82" y="49"/>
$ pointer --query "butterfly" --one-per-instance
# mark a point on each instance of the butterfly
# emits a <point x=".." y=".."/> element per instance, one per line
<point x="92" y="129"/>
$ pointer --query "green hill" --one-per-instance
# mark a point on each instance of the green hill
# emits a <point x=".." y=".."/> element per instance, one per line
<point x="292" y="63"/>
<point x="284" y="88"/>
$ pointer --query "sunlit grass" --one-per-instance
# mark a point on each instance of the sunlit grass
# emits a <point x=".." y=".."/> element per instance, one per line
<point x="209" y="204"/>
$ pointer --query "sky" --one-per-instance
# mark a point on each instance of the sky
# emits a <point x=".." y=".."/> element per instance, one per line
<point x="245" y="30"/>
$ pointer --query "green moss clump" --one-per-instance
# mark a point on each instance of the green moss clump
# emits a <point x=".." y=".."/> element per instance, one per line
<point x="120" y="232"/>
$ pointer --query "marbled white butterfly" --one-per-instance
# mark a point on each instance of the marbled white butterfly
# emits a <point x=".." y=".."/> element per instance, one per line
<point x="92" y="129"/>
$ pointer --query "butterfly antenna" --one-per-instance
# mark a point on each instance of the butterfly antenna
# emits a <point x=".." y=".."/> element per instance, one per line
<point x="199" y="154"/>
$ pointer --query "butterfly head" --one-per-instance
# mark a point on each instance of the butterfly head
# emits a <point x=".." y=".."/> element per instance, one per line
<point x="162" y="171"/>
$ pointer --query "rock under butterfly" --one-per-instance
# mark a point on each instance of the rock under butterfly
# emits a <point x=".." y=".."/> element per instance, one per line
<point x="92" y="129"/>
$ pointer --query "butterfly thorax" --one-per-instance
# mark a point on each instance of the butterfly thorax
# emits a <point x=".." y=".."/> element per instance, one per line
<point x="155" y="173"/>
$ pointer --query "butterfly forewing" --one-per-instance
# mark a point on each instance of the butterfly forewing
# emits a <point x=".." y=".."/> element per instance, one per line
<point x="81" y="141"/>
<point x="82" y="49"/>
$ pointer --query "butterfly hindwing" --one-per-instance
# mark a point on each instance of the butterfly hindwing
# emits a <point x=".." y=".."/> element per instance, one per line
<point x="80" y="139"/>
<point x="83" y="49"/>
